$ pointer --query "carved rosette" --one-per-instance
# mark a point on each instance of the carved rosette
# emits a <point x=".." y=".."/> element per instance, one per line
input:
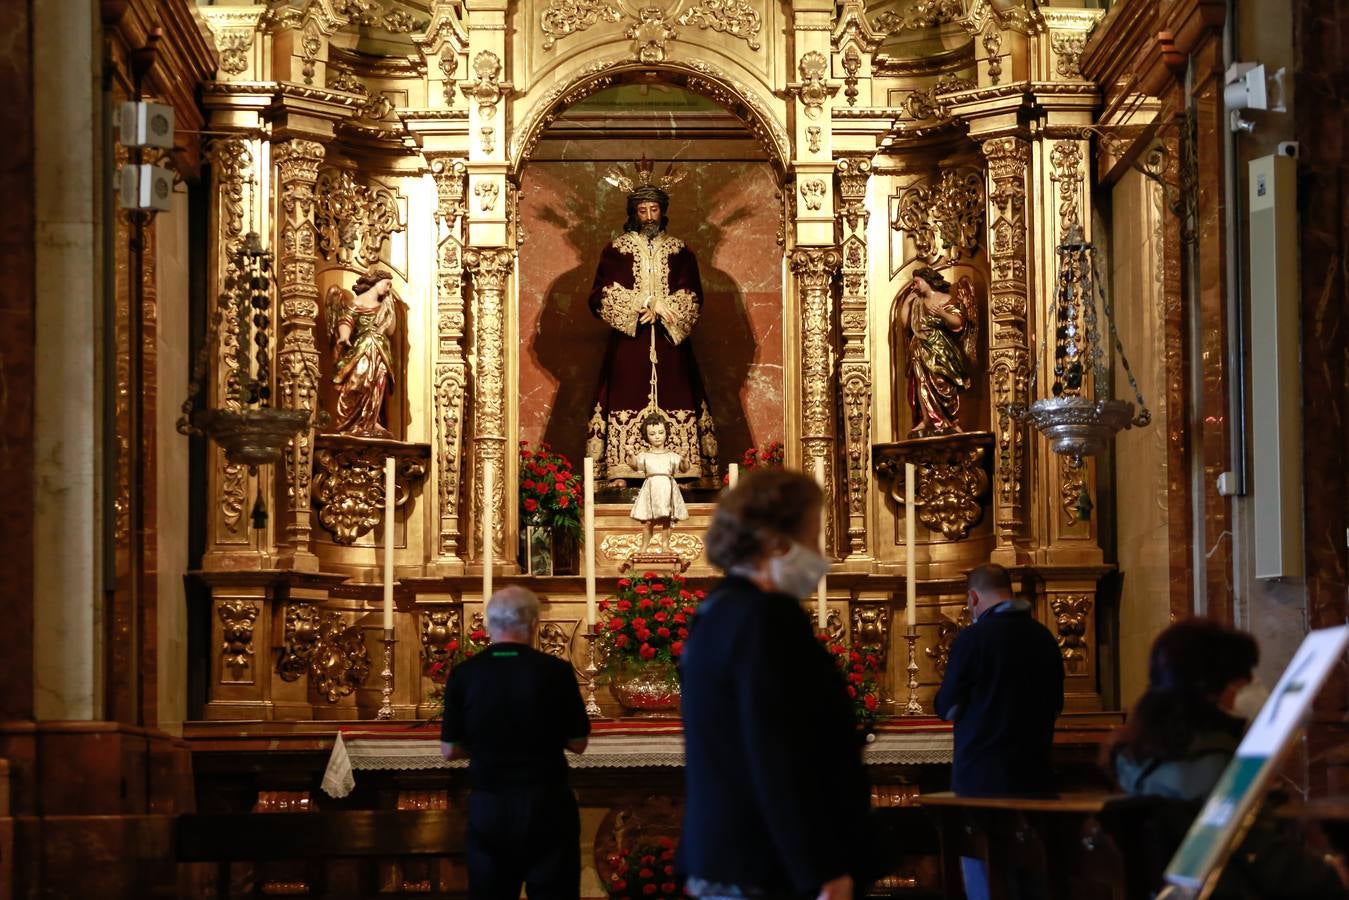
<point x="451" y="365"/>
<point x="237" y="618"/>
<point x="943" y="218"/>
<point x="855" y="377"/>
<point x="814" y="269"/>
<point x="871" y="628"/>
<point x="348" y="490"/>
<point x="297" y="163"/>
<point x="354" y="220"/>
<point x="233" y="165"/>
<point x="952" y="479"/>
<point x="1009" y="354"/>
<point x="1071" y="612"/>
<point x="490" y="268"/>
<point x="439" y="627"/>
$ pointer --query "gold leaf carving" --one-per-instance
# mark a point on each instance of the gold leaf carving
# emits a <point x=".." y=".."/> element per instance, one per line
<point x="619" y="547"/>
<point x="555" y="638"/>
<point x="871" y="628"/>
<point x="564" y="17"/>
<point x="349" y="482"/>
<point x="813" y="191"/>
<point x="943" y="219"/>
<point x="1070" y="619"/>
<point x="353" y="220"/>
<point x="947" y="629"/>
<point x="439" y="626"/>
<point x="733" y="17"/>
<point x="920" y="14"/>
<point x="236" y="632"/>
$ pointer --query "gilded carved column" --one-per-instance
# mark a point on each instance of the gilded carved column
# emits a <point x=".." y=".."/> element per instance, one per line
<point x="855" y="368"/>
<point x="490" y="268"/>
<point x="814" y="268"/>
<point x="451" y="363"/>
<point x="297" y="163"/>
<point x="1009" y="356"/>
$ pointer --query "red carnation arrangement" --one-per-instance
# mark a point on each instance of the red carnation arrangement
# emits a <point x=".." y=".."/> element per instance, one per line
<point x="456" y="652"/>
<point x="861" y="669"/>
<point x="648" y="619"/>
<point x="772" y="456"/>
<point x="644" y="872"/>
<point x="550" y="492"/>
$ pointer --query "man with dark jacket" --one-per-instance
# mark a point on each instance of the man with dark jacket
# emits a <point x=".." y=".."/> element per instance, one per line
<point x="1003" y="689"/>
<point x="512" y="710"/>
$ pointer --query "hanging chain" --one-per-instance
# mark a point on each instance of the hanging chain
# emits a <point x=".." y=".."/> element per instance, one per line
<point x="1144" y="416"/>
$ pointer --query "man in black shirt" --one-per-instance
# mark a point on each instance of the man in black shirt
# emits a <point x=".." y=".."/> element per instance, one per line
<point x="511" y="711"/>
<point x="1003" y="688"/>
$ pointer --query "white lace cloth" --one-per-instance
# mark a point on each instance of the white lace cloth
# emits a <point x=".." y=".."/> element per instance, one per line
<point x="386" y="752"/>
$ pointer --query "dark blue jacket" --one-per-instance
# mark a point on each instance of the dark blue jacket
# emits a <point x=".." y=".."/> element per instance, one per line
<point x="776" y="798"/>
<point x="1004" y="688"/>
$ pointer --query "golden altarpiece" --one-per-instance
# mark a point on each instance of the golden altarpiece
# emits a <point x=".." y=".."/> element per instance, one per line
<point x="851" y="145"/>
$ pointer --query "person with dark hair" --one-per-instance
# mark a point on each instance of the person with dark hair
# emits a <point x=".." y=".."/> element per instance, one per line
<point x="1178" y="740"/>
<point x="512" y="710"/>
<point x="776" y="796"/>
<point x="1003" y="689"/>
<point x="647" y="289"/>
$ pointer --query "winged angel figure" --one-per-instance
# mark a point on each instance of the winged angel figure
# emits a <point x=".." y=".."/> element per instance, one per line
<point x="941" y="324"/>
<point x="360" y="323"/>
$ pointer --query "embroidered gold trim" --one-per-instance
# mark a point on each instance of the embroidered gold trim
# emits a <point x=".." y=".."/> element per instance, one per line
<point x="620" y="307"/>
<point x="681" y="315"/>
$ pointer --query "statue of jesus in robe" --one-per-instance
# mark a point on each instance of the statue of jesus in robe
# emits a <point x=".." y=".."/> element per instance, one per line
<point x="648" y="291"/>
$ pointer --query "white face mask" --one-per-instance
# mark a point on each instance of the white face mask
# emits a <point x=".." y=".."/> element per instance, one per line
<point x="798" y="571"/>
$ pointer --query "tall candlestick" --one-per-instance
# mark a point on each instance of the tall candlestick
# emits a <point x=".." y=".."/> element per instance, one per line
<point x="589" y="470"/>
<point x="910" y="570"/>
<point x="488" y="527"/>
<point x="388" y="543"/>
<point x="732" y="474"/>
<point x="822" y="605"/>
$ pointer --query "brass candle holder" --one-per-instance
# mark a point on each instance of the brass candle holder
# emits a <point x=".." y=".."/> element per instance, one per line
<point x="591" y="670"/>
<point x="912" y="707"/>
<point x="386" y="693"/>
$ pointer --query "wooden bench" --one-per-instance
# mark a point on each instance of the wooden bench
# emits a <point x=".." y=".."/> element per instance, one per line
<point x="336" y="852"/>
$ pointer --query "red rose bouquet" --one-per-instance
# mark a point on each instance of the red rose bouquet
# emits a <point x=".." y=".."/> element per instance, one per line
<point x="772" y="456"/>
<point x="644" y="872"/>
<point x="647" y="620"/>
<point x="861" y="668"/>
<point x="550" y="492"/>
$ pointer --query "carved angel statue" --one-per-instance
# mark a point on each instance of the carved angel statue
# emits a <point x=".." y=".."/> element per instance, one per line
<point x="360" y="322"/>
<point x="941" y="325"/>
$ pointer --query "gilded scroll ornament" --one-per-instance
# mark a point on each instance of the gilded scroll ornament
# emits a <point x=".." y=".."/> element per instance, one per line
<point x="947" y="629"/>
<point x="1073" y="490"/>
<point x="1067" y="46"/>
<point x="487" y="193"/>
<point x="943" y="218"/>
<point x="871" y="628"/>
<point x="1070" y="620"/>
<point x="234" y="45"/>
<point x="814" y="269"/>
<point x="813" y="192"/>
<point x="555" y="638"/>
<point x="353" y="220"/>
<point x="451" y="365"/>
<point x="813" y="90"/>
<point x="311" y="42"/>
<point x="734" y="17"/>
<point x="852" y="65"/>
<point x="1066" y="159"/>
<point x="855" y="378"/>
<point x="349" y="482"/>
<point x="952" y="479"/>
<point x="813" y="138"/>
<point x="619" y="548"/>
<point x="833" y="626"/>
<point x="650" y="33"/>
<point x="992" y="42"/>
<point x="340" y="662"/>
<point x="439" y="627"/>
<point x="449" y="64"/>
<point x="490" y="269"/>
<point x="300" y="637"/>
<point x="564" y="17"/>
<point x="488" y="88"/>
<point x="346" y="80"/>
<point x="236" y="632"/>
<point x="920" y="14"/>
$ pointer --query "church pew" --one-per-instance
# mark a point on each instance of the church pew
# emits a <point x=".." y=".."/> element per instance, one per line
<point x="324" y="843"/>
<point x="1084" y="847"/>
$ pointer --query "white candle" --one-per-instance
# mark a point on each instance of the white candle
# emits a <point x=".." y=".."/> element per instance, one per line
<point x="488" y="496"/>
<point x="910" y="573"/>
<point x="589" y="470"/>
<point x="388" y="543"/>
<point x="822" y="605"/>
<point x="732" y="474"/>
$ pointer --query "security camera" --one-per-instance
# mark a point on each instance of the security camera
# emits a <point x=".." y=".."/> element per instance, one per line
<point x="1248" y="87"/>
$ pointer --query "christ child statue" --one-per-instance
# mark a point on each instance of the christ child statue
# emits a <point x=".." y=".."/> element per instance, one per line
<point x="659" y="502"/>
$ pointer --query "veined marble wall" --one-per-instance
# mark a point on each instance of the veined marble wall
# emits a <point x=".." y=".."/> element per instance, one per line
<point x="1142" y="536"/>
<point x="729" y="214"/>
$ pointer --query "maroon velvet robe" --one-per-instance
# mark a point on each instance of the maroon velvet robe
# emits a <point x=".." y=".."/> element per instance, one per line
<point x="633" y="273"/>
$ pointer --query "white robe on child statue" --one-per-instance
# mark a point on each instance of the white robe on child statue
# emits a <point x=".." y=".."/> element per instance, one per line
<point x="659" y="497"/>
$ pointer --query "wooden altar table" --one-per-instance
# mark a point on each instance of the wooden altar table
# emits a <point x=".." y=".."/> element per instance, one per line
<point x="613" y="744"/>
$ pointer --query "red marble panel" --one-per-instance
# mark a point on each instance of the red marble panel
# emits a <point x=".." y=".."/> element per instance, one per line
<point x="17" y="356"/>
<point x="728" y="213"/>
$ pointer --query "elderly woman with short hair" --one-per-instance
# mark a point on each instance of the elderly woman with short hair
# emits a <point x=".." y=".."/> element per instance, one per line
<point x="776" y="797"/>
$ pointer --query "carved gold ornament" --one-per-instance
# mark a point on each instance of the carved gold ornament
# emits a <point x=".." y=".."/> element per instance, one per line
<point x="952" y="478"/>
<point x="833" y="626"/>
<point x="813" y="138"/>
<point x="236" y="632"/>
<point x="947" y="629"/>
<point x="332" y="652"/>
<point x="1066" y="159"/>
<point x="555" y="638"/>
<point x="564" y="17"/>
<point x="300" y="635"/>
<point x="348" y="485"/>
<point x="353" y="220"/>
<point x="487" y="89"/>
<point x="920" y="14"/>
<point x="943" y="219"/>
<point x="992" y="42"/>
<point x="617" y="548"/>
<point x="439" y="627"/>
<point x="487" y="193"/>
<point x="813" y="90"/>
<point x="871" y="628"/>
<point x="813" y="192"/>
<point x="650" y="33"/>
<point x="235" y="45"/>
<point x="1070" y="620"/>
<point x="733" y="17"/>
<point x="1067" y="46"/>
<point x="852" y="65"/>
